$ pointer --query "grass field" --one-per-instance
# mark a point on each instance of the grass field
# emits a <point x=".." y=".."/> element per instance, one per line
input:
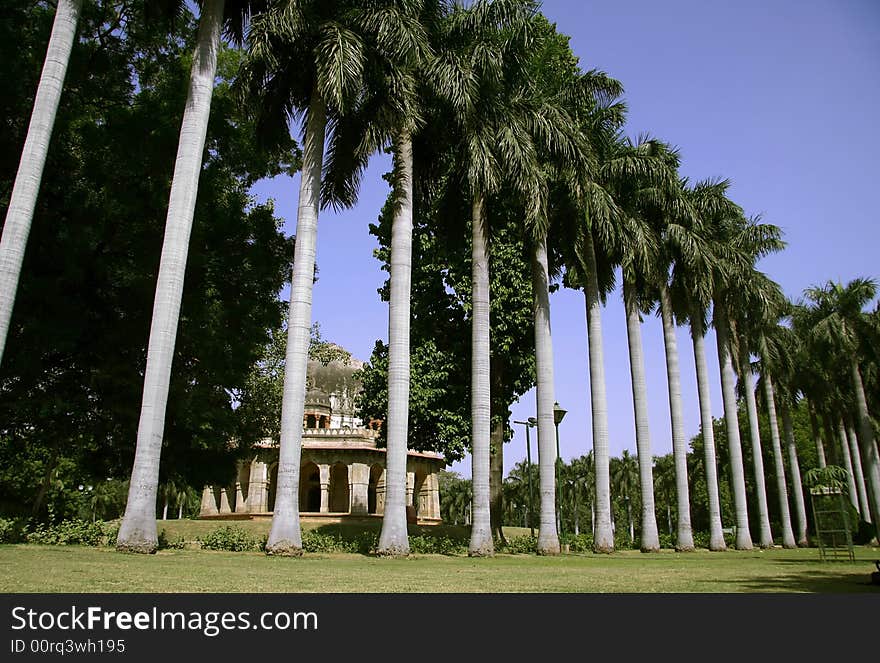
<point x="34" y="568"/>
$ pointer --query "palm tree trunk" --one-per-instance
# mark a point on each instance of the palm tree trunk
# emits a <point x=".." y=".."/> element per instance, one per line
<point x="650" y="539"/>
<point x="26" y="187"/>
<point x="784" y="513"/>
<point x="864" y="508"/>
<point x="698" y="337"/>
<point x="865" y="434"/>
<point x="685" y="535"/>
<point x="481" y="528"/>
<point x="848" y="465"/>
<point x="603" y="535"/>
<point x="817" y="437"/>
<point x="285" y="535"/>
<point x="393" y="539"/>
<point x="137" y="532"/>
<point x="548" y="537"/>
<point x="748" y="379"/>
<point x="796" y="483"/>
<point x="738" y="481"/>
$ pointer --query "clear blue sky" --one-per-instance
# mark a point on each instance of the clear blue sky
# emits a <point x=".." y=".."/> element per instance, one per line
<point x="777" y="95"/>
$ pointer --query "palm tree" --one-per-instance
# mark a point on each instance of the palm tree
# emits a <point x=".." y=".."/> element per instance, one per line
<point x="308" y="57"/>
<point x="624" y="474"/>
<point x="692" y="284"/>
<point x="797" y="485"/>
<point x="839" y="324"/>
<point x="23" y="198"/>
<point x="864" y="508"/>
<point x="137" y="532"/>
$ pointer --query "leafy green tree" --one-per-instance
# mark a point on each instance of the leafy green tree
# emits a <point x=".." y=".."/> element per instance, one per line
<point x="70" y="398"/>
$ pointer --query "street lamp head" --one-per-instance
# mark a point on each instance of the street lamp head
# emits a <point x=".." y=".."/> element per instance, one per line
<point x="533" y="421"/>
<point x="558" y="413"/>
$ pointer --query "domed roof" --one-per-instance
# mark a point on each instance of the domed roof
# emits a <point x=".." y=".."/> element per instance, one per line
<point x="333" y="377"/>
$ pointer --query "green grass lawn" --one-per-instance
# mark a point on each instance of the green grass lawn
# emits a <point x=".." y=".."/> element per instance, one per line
<point x="34" y="568"/>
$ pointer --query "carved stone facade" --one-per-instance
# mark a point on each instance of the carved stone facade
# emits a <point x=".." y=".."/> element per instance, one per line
<point x="342" y="471"/>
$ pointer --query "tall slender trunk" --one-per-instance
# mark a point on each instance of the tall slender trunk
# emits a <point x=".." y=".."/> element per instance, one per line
<point x="864" y="508"/>
<point x="748" y="379"/>
<point x="684" y="535"/>
<point x="137" y="532"/>
<point x="710" y="464"/>
<point x="496" y="478"/>
<point x="393" y="539"/>
<point x="779" y="465"/>
<point x="870" y="460"/>
<point x="738" y="481"/>
<point x="650" y="539"/>
<point x="26" y="187"/>
<point x="817" y="437"/>
<point x="848" y="465"/>
<point x="548" y="537"/>
<point x="285" y="535"/>
<point x="797" y="485"/>
<point x="603" y="535"/>
<point x="481" y="528"/>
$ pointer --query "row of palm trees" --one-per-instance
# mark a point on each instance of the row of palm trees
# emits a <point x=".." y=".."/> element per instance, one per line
<point x="476" y="103"/>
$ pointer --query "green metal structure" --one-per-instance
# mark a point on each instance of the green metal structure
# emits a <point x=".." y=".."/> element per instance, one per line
<point x="831" y="519"/>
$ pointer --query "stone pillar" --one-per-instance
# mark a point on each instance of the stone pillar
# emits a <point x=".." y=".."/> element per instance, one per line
<point x="240" y="504"/>
<point x="209" y="504"/>
<point x="325" y="488"/>
<point x="380" y="494"/>
<point x="258" y="488"/>
<point x="359" y="483"/>
<point x="224" y="502"/>
<point x="410" y="487"/>
<point x="435" y="495"/>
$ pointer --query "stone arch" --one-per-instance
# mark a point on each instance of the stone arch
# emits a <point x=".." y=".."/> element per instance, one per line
<point x="376" y="490"/>
<point x="309" y="487"/>
<point x="340" y="493"/>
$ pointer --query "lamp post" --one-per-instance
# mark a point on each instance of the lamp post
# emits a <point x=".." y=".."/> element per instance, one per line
<point x="558" y="416"/>
<point x="530" y="423"/>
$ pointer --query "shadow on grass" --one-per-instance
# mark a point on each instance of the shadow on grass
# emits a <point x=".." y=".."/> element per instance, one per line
<point x="852" y="578"/>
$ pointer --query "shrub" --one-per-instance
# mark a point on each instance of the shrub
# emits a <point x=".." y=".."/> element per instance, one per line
<point x="229" y="538"/>
<point x="13" y="530"/>
<point x="435" y="545"/>
<point x="74" y="532"/>
<point x="520" y="544"/>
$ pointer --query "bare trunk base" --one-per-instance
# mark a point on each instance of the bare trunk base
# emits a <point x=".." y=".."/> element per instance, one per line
<point x="135" y="539"/>
<point x="284" y="549"/>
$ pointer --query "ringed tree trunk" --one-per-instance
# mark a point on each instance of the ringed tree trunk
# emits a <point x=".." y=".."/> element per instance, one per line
<point x="548" y="537"/>
<point x="796" y="483"/>
<point x="285" y="535"/>
<point x="728" y="394"/>
<point x="684" y="535"/>
<point x="23" y="199"/>
<point x="817" y="437"/>
<point x="137" y="532"/>
<point x="393" y="539"/>
<point x="698" y="337"/>
<point x="748" y="378"/>
<point x="603" y="534"/>
<point x="785" y="515"/>
<point x="481" y="528"/>
<point x="650" y="539"/>
<point x="870" y="459"/>
<point x="848" y="465"/>
<point x="864" y="509"/>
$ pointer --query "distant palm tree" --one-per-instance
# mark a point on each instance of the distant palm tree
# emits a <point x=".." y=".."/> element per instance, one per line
<point x="624" y="475"/>
<point x="23" y="198"/>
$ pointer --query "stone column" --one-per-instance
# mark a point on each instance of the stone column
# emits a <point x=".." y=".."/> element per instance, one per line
<point x="410" y="487"/>
<point x="258" y="488"/>
<point x="324" y="471"/>
<point x="359" y="483"/>
<point x="209" y="504"/>
<point x="435" y="495"/>
<point x="380" y="494"/>
<point x="224" y="502"/>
